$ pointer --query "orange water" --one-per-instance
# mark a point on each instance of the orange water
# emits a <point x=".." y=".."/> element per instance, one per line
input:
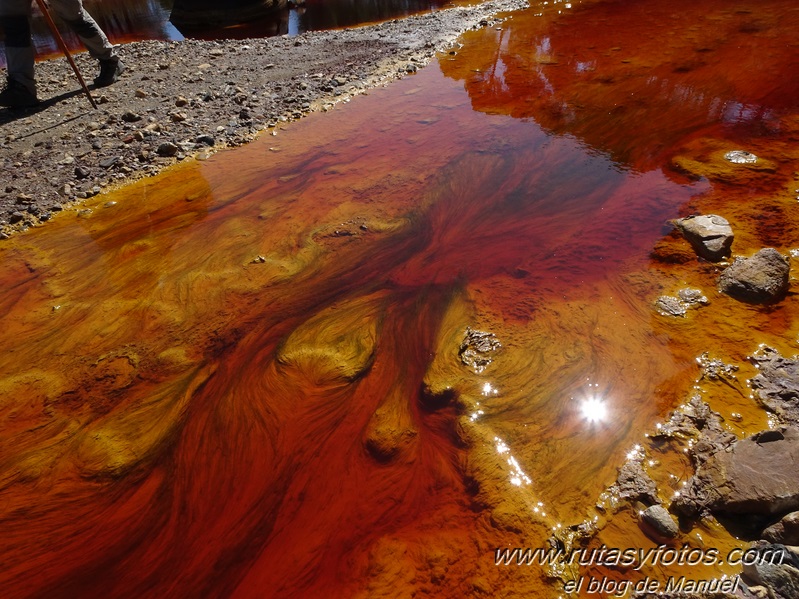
<point x="241" y="378"/>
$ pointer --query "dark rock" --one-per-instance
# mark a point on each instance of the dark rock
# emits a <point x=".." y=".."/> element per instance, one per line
<point x="167" y="149"/>
<point x="777" y="569"/>
<point x="786" y="531"/>
<point x="656" y="519"/>
<point x="130" y="117"/>
<point x="777" y="383"/>
<point x="208" y="140"/>
<point x="15" y="217"/>
<point x="34" y="209"/>
<point x="81" y="172"/>
<point x="710" y="235"/>
<point x="759" y="279"/>
<point x="757" y="475"/>
<point x="109" y="162"/>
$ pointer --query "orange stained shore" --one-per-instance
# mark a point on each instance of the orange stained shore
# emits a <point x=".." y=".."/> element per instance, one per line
<point x="241" y="378"/>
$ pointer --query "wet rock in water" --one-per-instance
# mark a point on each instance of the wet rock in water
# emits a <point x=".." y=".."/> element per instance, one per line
<point x="715" y="369"/>
<point x="756" y="476"/>
<point x="710" y="235"/>
<point x="777" y="570"/>
<point x="786" y="531"/>
<point x="777" y="383"/>
<point x="759" y="279"/>
<point x="634" y="484"/>
<point x="692" y="297"/>
<point x="477" y="349"/>
<point x="656" y="519"/>
<point x="668" y="305"/>
<point x="695" y="420"/>
<point x="740" y="157"/>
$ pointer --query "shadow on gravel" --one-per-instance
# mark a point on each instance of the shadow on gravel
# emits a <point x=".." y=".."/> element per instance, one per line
<point x="8" y="115"/>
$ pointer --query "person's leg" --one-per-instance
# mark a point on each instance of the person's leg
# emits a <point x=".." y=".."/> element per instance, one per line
<point x="85" y="27"/>
<point x="15" y="21"/>
<point x="96" y="42"/>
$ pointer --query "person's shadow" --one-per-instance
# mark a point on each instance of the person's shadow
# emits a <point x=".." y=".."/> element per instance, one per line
<point x="8" y="115"/>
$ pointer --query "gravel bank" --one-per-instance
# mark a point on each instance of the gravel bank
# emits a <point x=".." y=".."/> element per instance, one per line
<point x="178" y="100"/>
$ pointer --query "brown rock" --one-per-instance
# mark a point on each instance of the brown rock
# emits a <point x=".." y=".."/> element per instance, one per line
<point x="777" y="383"/>
<point x="759" y="279"/>
<point x="786" y="531"/>
<point x="756" y="475"/>
<point x="710" y="235"/>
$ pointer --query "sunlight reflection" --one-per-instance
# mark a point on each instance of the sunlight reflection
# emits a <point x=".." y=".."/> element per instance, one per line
<point x="594" y="410"/>
<point x="594" y="405"/>
<point x="517" y="475"/>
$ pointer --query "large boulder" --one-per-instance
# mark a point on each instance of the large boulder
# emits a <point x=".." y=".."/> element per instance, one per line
<point x="762" y="278"/>
<point x="756" y="475"/>
<point x="710" y="235"/>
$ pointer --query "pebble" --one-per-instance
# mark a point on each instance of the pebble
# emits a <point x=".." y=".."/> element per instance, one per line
<point x="109" y="162"/>
<point x="130" y="117"/>
<point x="167" y="149"/>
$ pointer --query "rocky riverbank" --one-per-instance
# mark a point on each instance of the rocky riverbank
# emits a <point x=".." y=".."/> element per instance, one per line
<point x="181" y="100"/>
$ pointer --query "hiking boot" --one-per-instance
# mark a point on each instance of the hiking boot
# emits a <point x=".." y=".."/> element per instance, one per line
<point x="110" y="70"/>
<point x="16" y="95"/>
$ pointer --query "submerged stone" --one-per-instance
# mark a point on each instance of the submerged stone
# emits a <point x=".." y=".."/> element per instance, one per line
<point x="710" y="235"/>
<point x="762" y="278"/>
<point x="477" y="349"/>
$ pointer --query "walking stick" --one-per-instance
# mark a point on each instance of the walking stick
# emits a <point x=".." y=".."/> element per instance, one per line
<point x="64" y="49"/>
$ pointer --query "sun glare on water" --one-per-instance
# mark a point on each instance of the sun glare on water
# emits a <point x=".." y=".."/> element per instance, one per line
<point x="594" y="410"/>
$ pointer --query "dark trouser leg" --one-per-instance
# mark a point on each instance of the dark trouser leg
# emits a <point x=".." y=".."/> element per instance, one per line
<point x="19" y="49"/>
<point x="85" y="27"/>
